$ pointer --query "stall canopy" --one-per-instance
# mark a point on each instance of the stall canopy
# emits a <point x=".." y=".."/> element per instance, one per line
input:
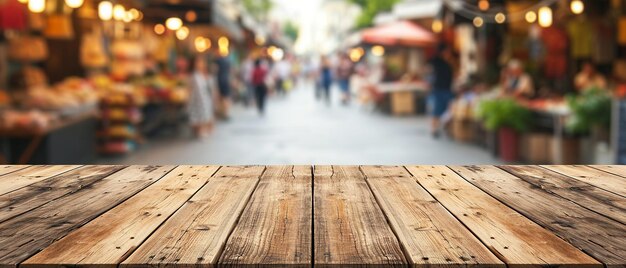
<point x="401" y="33"/>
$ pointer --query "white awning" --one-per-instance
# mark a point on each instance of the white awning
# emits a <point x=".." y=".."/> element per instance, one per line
<point x="417" y="9"/>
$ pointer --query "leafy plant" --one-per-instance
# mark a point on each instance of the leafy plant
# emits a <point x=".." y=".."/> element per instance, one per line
<point x="259" y="9"/>
<point x="500" y="113"/>
<point x="371" y="8"/>
<point x="589" y="109"/>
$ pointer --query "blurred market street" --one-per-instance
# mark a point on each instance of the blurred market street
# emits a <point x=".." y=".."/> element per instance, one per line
<point x="299" y="130"/>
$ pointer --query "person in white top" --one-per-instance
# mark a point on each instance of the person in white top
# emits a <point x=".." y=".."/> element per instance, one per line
<point x="200" y="106"/>
<point x="515" y="82"/>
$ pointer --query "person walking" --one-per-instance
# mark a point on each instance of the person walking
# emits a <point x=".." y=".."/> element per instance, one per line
<point x="259" y="76"/>
<point x="344" y="74"/>
<point x="440" y="75"/>
<point x="200" y="106"/>
<point x="325" y="79"/>
<point x="223" y="83"/>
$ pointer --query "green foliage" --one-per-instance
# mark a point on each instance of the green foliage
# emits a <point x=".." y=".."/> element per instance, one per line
<point x="259" y="9"/>
<point x="500" y="113"/>
<point x="291" y="30"/>
<point x="370" y="9"/>
<point x="589" y="109"/>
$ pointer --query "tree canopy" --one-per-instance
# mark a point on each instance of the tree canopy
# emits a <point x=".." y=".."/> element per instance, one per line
<point x="370" y="8"/>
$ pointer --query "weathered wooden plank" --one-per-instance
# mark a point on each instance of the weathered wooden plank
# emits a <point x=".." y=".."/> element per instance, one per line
<point x="602" y="238"/>
<point x="517" y="240"/>
<point x="349" y="227"/>
<point x="604" y="180"/>
<point x="109" y="239"/>
<point x="429" y="234"/>
<point x="619" y="170"/>
<point x="23" y="177"/>
<point x="586" y="195"/>
<point x="6" y="169"/>
<point x="196" y="234"/>
<point x="27" y="234"/>
<point x="42" y="192"/>
<point x="275" y="229"/>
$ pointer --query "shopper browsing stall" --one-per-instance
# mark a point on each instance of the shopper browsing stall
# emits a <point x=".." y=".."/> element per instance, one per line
<point x="515" y="82"/>
<point x="588" y="78"/>
<point x="440" y="74"/>
<point x="200" y="106"/>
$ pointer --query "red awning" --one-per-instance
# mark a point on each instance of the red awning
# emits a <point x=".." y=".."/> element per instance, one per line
<point x="402" y="33"/>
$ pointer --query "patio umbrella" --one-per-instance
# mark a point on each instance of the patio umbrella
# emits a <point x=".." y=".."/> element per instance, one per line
<point x="401" y="33"/>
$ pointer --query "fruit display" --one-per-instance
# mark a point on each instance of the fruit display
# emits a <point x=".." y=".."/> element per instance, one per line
<point x="26" y="121"/>
<point x="164" y="89"/>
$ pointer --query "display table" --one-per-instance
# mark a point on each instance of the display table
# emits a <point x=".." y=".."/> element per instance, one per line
<point x="201" y="216"/>
<point x="68" y="140"/>
<point x="402" y="95"/>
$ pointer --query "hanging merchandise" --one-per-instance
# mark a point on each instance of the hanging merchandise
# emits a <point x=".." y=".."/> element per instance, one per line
<point x="12" y="15"/>
<point x="92" y="51"/>
<point x="556" y="43"/>
<point x="621" y="31"/>
<point x="580" y="34"/>
<point x="59" y="22"/>
<point x="28" y="48"/>
<point x="604" y="49"/>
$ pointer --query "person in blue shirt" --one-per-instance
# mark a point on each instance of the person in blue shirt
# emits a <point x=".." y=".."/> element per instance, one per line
<point x="440" y="76"/>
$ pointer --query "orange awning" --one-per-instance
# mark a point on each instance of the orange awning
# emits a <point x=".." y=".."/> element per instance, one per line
<point x="402" y="33"/>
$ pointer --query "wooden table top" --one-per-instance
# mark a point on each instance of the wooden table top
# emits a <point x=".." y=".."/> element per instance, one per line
<point x="427" y="216"/>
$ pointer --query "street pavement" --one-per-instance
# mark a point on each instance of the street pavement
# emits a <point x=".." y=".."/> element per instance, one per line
<point x="297" y="129"/>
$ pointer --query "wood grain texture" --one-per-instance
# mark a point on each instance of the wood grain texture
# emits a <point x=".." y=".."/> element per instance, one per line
<point x="6" y="169"/>
<point x="110" y="238"/>
<point x="196" y="234"/>
<point x="604" y="180"/>
<point x="27" y="234"/>
<point x="349" y="227"/>
<point x="42" y="192"/>
<point x="619" y="170"/>
<point x="275" y="229"/>
<point x="600" y="237"/>
<point x="23" y="177"/>
<point x="515" y="239"/>
<point x="429" y="234"/>
<point x="586" y="195"/>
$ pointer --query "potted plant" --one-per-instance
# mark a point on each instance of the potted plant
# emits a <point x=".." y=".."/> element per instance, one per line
<point x="590" y="118"/>
<point x="507" y="118"/>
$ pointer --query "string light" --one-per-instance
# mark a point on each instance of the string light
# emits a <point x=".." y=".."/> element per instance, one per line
<point x="191" y="16"/>
<point x="531" y="16"/>
<point x="182" y="33"/>
<point x="174" y="23"/>
<point x="545" y="17"/>
<point x="202" y="44"/>
<point x="437" y="26"/>
<point x="105" y="10"/>
<point x="74" y="3"/>
<point x="483" y="5"/>
<point x="23" y="1"/>
<point x="478" y="21"/>
<point x="159" y="29"/>
<point x="500" y="17"/>
<point x="37" y="6"/>
<point x="223" y="45"/>
<point x="119" y="12"/>
<point x="577" y="6"/>
<point x="378" y="51"/>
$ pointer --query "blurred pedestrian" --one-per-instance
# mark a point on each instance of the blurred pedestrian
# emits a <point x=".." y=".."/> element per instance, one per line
<point x="259" y="77"/>
<point x="515" y="82"/>
<point x="246" y="75"/>
<point x="325" y="79"/>
<point x="588" y="78"/>
<point x="440" y="75"/>
<point x="223" y="84"/>
<point x="345" y="70"/>
<point x="282" y="73"/>
<point x="200" y="106"/>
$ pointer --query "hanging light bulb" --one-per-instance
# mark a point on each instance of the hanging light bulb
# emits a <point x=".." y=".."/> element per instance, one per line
<point x="483" y="5"/>
<point x="577" y="6"/>
<point x="191" y="16"/>
<point x="182" y="33"/>
<point x="105" y="10"/>
<point x="74" y="3"/>
<point x="531" y="16"/>
<point x="500" y="17"/>
<point x="128" y="17"/>
<point x="223" y="45"/>
<point x="119" y="12"/>
<point x="159" y="29"/>
<point x="545" y="17"/>
<point x="202" y="44"/>
<point x="173" y="23"/>
<point x="478" y="22"/>
<point x="378" y="51"/>
<point x="37" y="6"/>
<point x="437" y="26"/>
